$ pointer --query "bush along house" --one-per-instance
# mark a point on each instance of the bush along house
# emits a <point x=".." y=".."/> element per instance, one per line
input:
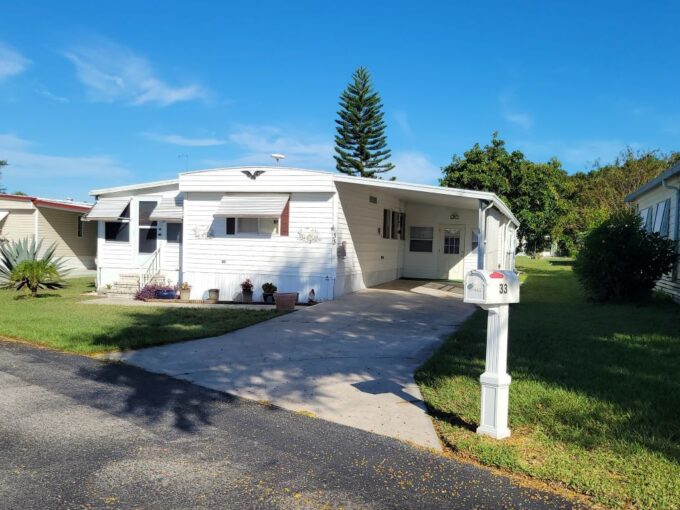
<point x="301" y="230"/>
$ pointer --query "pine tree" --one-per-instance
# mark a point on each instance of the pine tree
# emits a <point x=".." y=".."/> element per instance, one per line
<point x="361" y="144"/>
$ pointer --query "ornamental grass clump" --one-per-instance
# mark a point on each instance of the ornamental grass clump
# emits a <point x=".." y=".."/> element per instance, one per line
<point x="24" y="265"/>
<point x="621" y="261"/>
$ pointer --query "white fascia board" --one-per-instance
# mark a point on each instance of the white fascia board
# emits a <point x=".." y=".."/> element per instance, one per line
<point x="426" y="188"/>
<point x="134" y="187"/>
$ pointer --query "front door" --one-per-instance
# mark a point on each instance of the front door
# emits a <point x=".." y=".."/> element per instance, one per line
<point x="451" y="251"/>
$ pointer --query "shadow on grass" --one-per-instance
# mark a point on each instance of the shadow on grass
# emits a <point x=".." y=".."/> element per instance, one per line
<point x="623" y="359"/>
<point x="563" y="263"/>
<point x="146" y="327"/>
<point x="21" y="297"/>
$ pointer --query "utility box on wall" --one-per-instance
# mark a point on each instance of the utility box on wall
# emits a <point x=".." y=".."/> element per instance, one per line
<point x="497" y="287"/>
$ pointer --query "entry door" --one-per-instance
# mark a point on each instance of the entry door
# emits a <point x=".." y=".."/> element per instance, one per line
<point x="451" y="251"/>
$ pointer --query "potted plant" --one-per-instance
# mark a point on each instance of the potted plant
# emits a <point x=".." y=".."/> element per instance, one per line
<point x="268" y="290"/>
<point x="213" y="296"/>
<point x="285" y="301"/>
<point x="247" y="291"/>
<point x="185" y="291"/>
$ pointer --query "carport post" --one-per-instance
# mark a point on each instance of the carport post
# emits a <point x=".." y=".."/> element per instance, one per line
<point x="481" y="244"/>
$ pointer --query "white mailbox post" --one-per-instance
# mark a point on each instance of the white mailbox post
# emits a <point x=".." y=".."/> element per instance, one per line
<point x="494" y="291"/>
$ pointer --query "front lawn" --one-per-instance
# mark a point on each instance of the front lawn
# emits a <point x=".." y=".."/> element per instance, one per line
<point x="56" y="319"/>
<point x="595" y="395"/>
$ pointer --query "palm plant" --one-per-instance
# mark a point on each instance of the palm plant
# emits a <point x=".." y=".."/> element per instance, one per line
<point x="22" y="266"/>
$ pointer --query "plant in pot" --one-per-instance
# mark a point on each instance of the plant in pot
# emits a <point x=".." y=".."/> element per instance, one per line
<point x="185" y="291"/>
<point x="268" y="290"/>
<point x="247" y="291"/>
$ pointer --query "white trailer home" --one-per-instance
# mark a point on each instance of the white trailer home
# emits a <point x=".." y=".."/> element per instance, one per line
<point x="657" y="203"/>
<point x="300" y="229"/>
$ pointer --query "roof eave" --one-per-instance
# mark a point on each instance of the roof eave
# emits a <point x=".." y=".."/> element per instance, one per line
<point x="134" y="187"/>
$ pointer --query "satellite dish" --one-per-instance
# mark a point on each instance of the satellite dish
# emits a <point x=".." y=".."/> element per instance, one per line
<point x="278" y="157"/>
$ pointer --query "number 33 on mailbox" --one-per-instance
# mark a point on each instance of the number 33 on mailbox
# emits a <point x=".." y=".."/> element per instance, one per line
<point x="491" y="287"/>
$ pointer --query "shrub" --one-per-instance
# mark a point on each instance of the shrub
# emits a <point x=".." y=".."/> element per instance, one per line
<point x="23" y="267"/>
<point x="269" y="288"/>
<point x="149" y="291"/>
<point x="247" y="285"/>
<point x="620" y="261"/>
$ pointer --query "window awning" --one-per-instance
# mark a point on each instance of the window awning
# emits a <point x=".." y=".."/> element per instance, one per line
<point x="3" y="215"/>
<point x="169" y="208"/>
<point x="108" y="209"/>
<point x="251" y="205"/>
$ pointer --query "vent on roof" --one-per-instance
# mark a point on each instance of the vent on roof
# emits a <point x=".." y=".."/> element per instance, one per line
<point x="372" y="199"/>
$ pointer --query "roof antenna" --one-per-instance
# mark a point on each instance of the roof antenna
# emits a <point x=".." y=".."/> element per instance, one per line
<point x="185" y="157"/>
<point x="278" y="157"/>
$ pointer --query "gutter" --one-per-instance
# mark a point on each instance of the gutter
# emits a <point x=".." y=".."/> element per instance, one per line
<point x="677" y="220"/>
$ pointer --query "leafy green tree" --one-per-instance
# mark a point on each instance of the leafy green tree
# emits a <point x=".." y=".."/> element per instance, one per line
<point x="533" y="191"/>
<point x="20" y="194"/>
<point x="360" y="142"/>
<point x="607" y="275"/>
<point x="22" y="266"/>
<point x="2" y="163"/>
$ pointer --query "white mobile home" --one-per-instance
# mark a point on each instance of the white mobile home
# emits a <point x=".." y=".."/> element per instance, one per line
<point x="657" y="203"/>
<point x="51" y="221"/>
<point x="299" y="229"/>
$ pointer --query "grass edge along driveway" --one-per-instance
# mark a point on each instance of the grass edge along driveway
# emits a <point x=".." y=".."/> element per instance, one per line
<point x="57" y="319"/>
<point x="595" y="396"/>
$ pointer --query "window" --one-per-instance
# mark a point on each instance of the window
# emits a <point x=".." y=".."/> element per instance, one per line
<point x="372" y="199"/>
<point x="386" y="224"/>
<point x="475" y="238"/>
<point x="661" y="221"/>
<point x="421" y="239"/>
<point x="259" y="226"/>
<point x="148" y="229"/>
<point x="402" y="226"/>
<point x="451" y="241"/>
<point x="174" y="231"/>
<point x="647" y="216"/>
<point x="396" y="227"/>
<point x="117" y="231"/>
<point x="81" y="226"/>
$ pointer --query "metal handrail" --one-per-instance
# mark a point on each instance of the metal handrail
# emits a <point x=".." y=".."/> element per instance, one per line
<point x="153" y="268"/>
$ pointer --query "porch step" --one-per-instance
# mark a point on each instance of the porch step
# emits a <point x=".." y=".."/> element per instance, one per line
<point x="128" y="284"/>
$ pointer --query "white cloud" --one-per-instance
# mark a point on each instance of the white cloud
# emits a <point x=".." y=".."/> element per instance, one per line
<point x="413" y="166"/>
<point x="51" y="96"/>
<point x="183" y="140"/>
<point x="401" y="120"/>
<point x="259" y="142"/>
<point x="12" y="62"/>
<point x="55" y="176"/>
<point x="511" y="113"/>
<point x="577" y="155"/>
<point x="111" y="72"/>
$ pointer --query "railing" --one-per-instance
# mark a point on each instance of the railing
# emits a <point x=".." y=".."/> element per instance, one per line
<point x="153" y="268"/>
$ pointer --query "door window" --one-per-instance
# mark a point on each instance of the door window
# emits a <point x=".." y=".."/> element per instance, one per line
<point x="452" y="241"/>
<point x="148" y="229"/>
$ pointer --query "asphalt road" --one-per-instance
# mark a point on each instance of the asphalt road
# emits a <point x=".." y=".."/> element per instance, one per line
<point x="79" y="433"/>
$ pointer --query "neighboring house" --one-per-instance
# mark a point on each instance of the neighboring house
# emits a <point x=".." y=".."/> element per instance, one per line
<point x="657" y="203"/>
<point x="52" y="221"/>
<point x="299" y="229"/>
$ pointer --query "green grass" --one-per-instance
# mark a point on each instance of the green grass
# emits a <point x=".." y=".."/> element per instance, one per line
<point x="58" y="320"/>
<point x="595" y="395"/>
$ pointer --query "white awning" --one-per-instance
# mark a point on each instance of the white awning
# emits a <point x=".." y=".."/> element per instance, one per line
<point x="169" y="208"/>
<point x="108" y="209"/>
<point x="251" y="205"/>
<point x="3" y="215"/>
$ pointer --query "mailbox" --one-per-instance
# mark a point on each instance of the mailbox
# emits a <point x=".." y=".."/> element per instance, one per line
<point x="491" y="287"/>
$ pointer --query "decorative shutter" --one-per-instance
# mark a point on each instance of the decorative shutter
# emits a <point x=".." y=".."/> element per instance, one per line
<point x="285" y="220"/>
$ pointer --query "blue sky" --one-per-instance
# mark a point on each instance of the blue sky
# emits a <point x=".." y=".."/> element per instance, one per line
<point x="96" y="94"/>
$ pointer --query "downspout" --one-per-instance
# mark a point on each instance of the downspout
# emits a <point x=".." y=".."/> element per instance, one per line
<point x="481" y="245"/>
<point x="676" y="230"/>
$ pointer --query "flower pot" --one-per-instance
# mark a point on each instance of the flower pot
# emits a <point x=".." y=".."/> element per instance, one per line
<point x="247" y="296"/>
<point x="185" y="294"/>
<point x="213" y="296"/>
<point x="268" y="297"/>
<point x="285" y="301"/>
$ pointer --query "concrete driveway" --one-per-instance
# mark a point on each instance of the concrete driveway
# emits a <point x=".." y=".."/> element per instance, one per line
<point x="350" y="361"/>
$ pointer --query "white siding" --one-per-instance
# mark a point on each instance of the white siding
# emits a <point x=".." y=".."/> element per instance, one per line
<point x="273" y="180"/>
<point x="425" y="265"/>
<point x="650" y="199"/>
<point x="370" y="259"/>
<point x="18" y="224"/>
<point x="214" y="260"/>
